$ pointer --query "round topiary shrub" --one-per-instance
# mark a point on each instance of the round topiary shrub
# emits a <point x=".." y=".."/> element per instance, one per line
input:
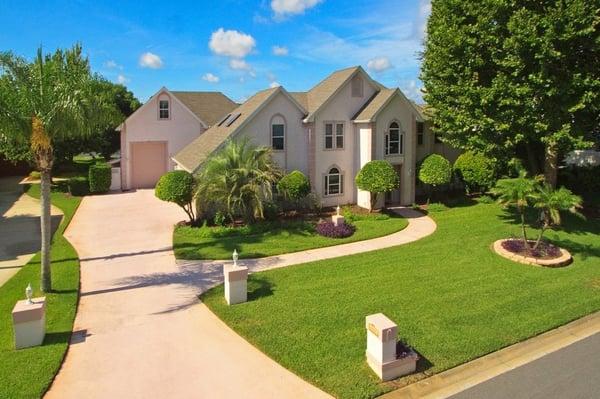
<point x="178" y="187"/>
<point x="294" y="185"/>
<point x="99" y="178"/>
<point x="376" y="177"/>
<point x="78" y="186"/>
<point x="435" y="170"/>
<point x="477" y="171"/>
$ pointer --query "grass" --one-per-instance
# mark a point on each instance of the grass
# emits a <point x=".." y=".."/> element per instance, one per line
<point x="272" y="238"/>
<point x="26" y="373"/>
<point x="453" y="299"/>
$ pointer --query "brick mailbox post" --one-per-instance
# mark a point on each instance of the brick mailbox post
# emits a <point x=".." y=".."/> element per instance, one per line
<point x="29" y="321"/>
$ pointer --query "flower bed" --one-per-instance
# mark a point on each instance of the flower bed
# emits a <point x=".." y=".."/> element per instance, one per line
<point x="545" y="255"/>
<point x="328" y="229"/>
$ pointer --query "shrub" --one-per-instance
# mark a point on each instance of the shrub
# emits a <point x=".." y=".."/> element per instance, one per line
<point x="377" y="177"/>
<point x="271" y="210"/>
<point x="178" y="187"/>
<point x="35" y="175"/>
<point x="220" y="219"/>
<point x="294" y="186"/>
<point x="436" y="207"/>
<point x="328" y="229"/>
<point x="476" y="170"/>
<point x="79" y="186"/>
<point x="99" y="178"/>
<point x="485" y="199"/>
<point x="435" y="170"/>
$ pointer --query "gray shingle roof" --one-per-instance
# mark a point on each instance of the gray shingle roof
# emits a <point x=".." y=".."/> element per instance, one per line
<point x="209" y="106"/>
<point x="374" y="105"/>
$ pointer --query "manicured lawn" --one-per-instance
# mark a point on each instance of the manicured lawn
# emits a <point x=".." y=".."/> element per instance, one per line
<point x="26" y="373"/>
<point x="452" y="297"/>
<point x="271" y="238"/>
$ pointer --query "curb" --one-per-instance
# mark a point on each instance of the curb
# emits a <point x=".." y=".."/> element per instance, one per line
<point x="469" y="374"/>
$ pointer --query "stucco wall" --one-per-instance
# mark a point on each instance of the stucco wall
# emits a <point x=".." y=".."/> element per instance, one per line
<point x="179" y="130"/>
<point x="340" y="109"/>
<point x="431" y="147"/>
<point x="295" y="154"/>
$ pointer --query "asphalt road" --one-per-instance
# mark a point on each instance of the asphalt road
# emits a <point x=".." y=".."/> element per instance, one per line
<point x="570" y="373"/>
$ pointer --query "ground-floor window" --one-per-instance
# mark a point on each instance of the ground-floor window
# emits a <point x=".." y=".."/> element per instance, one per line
<point x="334" y="182"/>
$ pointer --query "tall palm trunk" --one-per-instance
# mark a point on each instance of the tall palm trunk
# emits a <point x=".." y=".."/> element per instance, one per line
<point x="551" y="164"/>
<point x="42" y="149"/>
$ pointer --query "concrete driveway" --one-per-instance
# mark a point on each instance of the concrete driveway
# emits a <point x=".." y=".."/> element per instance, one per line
<point x="140" y="331"/>
<point x="19" y="227"/>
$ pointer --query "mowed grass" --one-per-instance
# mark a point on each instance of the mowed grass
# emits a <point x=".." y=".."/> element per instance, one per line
<point x="273" y="239"/>
<point x="452" y="297"/>
<point x="26" y="373"/>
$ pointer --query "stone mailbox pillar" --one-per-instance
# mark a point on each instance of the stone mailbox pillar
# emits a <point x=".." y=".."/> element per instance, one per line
<point x="383" y="354"/>
<point x="236" y="284"/>
<point x="29" y="321"/>
<point x="337" y="219"/>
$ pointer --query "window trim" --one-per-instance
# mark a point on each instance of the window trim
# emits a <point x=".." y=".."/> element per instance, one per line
<point x="284" y="124"/>
<point x="400" y="141"/>
<point x="340" y="184"/>
<point x="334" y="135"/>
<point x="168" y="109"/>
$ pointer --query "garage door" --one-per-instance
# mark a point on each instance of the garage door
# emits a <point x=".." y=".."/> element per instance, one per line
<point x="148" y="163"/>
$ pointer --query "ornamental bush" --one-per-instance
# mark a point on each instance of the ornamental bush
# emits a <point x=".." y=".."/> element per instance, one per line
<point x="294" y="186"/>
<point x="178" y="187"/>
<point x="99" y="177"/>
<point x="328" y="229"/>
<point x="477" y="171"/>
<point x="79" y="186"/>
<point x="435" y="170"/>
<point x="377" y="177"/>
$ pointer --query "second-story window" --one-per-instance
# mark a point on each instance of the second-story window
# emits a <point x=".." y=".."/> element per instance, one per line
<point x="278" y="136"/>
<point x="394" y="140"/>
<point x="334" y="135"/>
<point x="163" y="109"/>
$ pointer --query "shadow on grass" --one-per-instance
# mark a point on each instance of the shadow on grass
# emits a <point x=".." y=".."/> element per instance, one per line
<point x="259" y="287"/>
<point x="571" y="224"/>
<point x="57" y="337"/>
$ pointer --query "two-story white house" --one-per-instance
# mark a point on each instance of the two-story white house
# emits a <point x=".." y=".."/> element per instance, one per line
<point x="328" y="132"/>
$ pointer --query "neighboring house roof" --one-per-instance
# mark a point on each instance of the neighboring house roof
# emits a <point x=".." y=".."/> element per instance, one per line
<point x="209" y="106"/>
<point x="198" y="150"/>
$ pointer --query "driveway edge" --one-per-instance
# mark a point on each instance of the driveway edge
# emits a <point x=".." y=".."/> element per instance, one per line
<point x="465" y="376"/>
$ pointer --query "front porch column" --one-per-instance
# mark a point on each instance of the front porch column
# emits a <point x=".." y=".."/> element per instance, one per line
<point x="365" y="154"/>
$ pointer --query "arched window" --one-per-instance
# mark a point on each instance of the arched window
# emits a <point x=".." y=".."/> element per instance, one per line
<point x="278" y="133"/>
<point x="334" y="182"/>
<point x="163" y="108"/>
<point x="394" y="140"/>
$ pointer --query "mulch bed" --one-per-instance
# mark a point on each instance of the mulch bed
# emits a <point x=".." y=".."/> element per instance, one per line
<point x="544" y="251"/>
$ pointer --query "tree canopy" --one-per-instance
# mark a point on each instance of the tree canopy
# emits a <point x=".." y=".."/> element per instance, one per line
<point x="500" y="73"/>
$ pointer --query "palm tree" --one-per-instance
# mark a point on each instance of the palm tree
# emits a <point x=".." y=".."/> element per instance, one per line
<point x="239" y="176"/>
<point x="551" y="202"/>
<point x="48" y="99"/>
<point x="517" y="192"/>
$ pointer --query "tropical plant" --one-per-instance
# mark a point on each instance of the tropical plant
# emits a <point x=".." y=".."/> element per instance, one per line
<point x="477" y="171"/>
<point x="435" y="171"/>
<point x="518" y="193"/>
<point x="377" y="177"/>
<point x="48" y="99"/>
<point x="178" y="187"/>
<point x="240" y="176"/>
<point x="551" y="202"/>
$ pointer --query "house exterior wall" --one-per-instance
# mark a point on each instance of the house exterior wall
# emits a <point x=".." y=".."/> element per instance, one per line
<point x="341" y="108"/>
<point x="295" y="153"/>
<point x="429" y="146"/>
<point x="178" y="131"/>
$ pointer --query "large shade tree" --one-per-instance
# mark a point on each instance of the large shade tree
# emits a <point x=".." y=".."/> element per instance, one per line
<point x="505" y="73"/>
<point x="48" y="99"/>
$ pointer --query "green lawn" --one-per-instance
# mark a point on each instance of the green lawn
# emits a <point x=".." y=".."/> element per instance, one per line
<point x="272" y="238"/>
<point x="452" y="297"/>
<point x="26" y="373"/>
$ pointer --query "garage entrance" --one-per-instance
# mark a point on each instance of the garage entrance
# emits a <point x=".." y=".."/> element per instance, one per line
<point x="148" y="163"/>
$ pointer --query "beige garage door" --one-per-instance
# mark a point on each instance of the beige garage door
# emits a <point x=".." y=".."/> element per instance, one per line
<point x="148" y="163"/>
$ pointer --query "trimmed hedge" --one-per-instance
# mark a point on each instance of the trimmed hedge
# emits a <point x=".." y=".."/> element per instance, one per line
<point x="435" y="170"/>
<point x="79" y="186"/>
<point x="294" y="185"/>
<point x="477" y="171"/>
<point x="100" y="177"/>
<point x="177" y="186"/>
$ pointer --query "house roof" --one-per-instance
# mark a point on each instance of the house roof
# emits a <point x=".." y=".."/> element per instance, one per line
<point x="209" y="106"/>
<point x="198" y="150"/>
<point x="372" y="107"/>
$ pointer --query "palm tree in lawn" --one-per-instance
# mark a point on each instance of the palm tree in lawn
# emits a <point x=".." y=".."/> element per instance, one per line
<point x="551" y="202"/>
<point x="48" y="99"/>
<point x="240" y="176"/>
<point x="517" y="192"/>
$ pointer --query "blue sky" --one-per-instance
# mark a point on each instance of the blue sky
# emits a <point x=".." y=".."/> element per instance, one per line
<point x="233" y="46"/>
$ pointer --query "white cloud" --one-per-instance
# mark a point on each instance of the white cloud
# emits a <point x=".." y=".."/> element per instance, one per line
<point x="231" y="43"/>
<point x="282" y="8"/>
<point x="379" y="64"/>
<point x="209" y="77"/>
<point x="274" y="84"/>
<point x="412" y="90"/>
<point x="280" y="50"/>
<point x="111" y="64"/>
<point x="150" y="60"/>
<point x="122" y="79"/>
<point x="239" y="65"/>
<point x="421" y="21"/>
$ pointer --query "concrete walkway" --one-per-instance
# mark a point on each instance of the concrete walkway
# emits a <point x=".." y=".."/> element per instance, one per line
<point x="19" y="227"/>
<point x="140" y="331"/>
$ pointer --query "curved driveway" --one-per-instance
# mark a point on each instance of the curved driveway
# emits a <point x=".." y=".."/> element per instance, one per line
<point x="140" y="331"/>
